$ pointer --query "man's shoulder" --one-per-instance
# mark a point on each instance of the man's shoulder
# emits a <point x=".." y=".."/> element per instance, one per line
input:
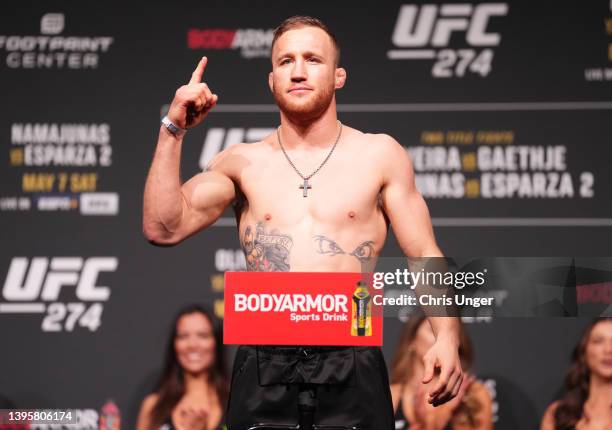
<point x="248" y="148"/>
<point x="237" y="154"/>
<point x="379" y="139"/>
<point x="378" y="145"/>
<point x="255" y="149"/>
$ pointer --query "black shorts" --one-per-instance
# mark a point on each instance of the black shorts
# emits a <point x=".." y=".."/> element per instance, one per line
<point x="351" y="383"/>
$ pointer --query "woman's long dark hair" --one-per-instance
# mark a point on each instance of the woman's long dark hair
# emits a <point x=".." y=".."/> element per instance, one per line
<point x="171" y="386"/>
<point x="569" y="409"/>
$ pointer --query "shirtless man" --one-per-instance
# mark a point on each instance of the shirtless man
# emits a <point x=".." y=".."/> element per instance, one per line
<point x="332" y="220"/>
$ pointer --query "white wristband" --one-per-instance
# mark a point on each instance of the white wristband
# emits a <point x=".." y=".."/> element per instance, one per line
<point x="177" y="131"/>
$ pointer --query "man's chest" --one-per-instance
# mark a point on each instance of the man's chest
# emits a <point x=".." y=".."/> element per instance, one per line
<point x="336" y="191"/>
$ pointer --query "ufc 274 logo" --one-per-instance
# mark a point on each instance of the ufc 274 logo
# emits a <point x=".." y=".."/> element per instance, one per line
<point x="426" y="31"/>
<point x="34" y="286"/>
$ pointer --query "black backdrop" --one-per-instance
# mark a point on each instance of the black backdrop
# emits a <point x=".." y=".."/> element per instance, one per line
<point x="83" y="87"/>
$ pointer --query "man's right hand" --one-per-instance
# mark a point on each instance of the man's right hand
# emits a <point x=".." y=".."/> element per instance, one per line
<point x="193" y="101"/>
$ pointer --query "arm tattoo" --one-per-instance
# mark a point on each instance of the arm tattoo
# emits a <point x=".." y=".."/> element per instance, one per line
<point x="266" y="251"/>
<point x="364" y="252"/>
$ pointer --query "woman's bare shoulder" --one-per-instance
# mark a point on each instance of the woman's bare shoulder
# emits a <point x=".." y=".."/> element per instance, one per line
<point x="149" y="402"/>
<point x="548" y="419"/>
<point x="144" y="416"/>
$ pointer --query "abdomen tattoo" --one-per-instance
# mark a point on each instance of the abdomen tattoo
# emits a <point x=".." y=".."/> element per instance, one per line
<point x="363" y="252"/>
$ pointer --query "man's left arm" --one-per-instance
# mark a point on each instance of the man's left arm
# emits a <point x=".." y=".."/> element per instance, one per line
<point x="411" y="223"/>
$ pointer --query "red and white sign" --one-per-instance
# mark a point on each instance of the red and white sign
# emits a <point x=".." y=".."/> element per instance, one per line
<point x="291" y="308"/>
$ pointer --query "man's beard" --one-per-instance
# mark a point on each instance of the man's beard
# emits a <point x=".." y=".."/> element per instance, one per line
<point x="305" y="112"/>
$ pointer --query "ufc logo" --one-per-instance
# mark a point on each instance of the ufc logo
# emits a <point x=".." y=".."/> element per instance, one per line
<point x="217" y="139"/>
<point x="46" y="277"/>
<point x="434" y="25"/>
<point x="52" y="23"/>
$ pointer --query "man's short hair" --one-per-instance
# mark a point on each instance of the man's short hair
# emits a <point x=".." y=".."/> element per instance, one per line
<point x="299" y="21"/>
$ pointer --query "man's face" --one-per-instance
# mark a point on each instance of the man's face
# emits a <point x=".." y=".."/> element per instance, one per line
<point x="304" y="74"/>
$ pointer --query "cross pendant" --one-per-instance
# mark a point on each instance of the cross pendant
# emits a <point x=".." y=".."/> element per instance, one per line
<point x="305" y="187"/>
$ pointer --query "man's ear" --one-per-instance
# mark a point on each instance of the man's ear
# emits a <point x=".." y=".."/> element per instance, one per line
<point x="340" y="77"/>
<point x="270" y="82"/>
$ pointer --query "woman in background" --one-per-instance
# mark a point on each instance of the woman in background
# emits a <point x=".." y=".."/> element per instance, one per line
<point x="192" y="391"/>
<point x="587" y="402"/>
<point x="470" y="409"/>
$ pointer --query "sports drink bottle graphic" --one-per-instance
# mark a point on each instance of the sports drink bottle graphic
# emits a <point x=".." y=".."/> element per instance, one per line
<point x="361" y="323"/>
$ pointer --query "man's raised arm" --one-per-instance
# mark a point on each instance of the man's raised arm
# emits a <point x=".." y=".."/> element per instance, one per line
<point x="411" y="224"/>
<point x="173" y="211"/>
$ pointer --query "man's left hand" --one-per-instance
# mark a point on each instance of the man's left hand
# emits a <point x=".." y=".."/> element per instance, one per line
<point x="442" y="363"/>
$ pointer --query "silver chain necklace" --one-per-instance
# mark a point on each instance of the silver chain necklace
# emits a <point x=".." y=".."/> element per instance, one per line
<point x="306" y="186"/>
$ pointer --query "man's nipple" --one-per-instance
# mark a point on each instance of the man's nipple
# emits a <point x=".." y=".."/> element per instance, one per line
<point x="267" y="217"/>
<point x="351" y="215"/>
